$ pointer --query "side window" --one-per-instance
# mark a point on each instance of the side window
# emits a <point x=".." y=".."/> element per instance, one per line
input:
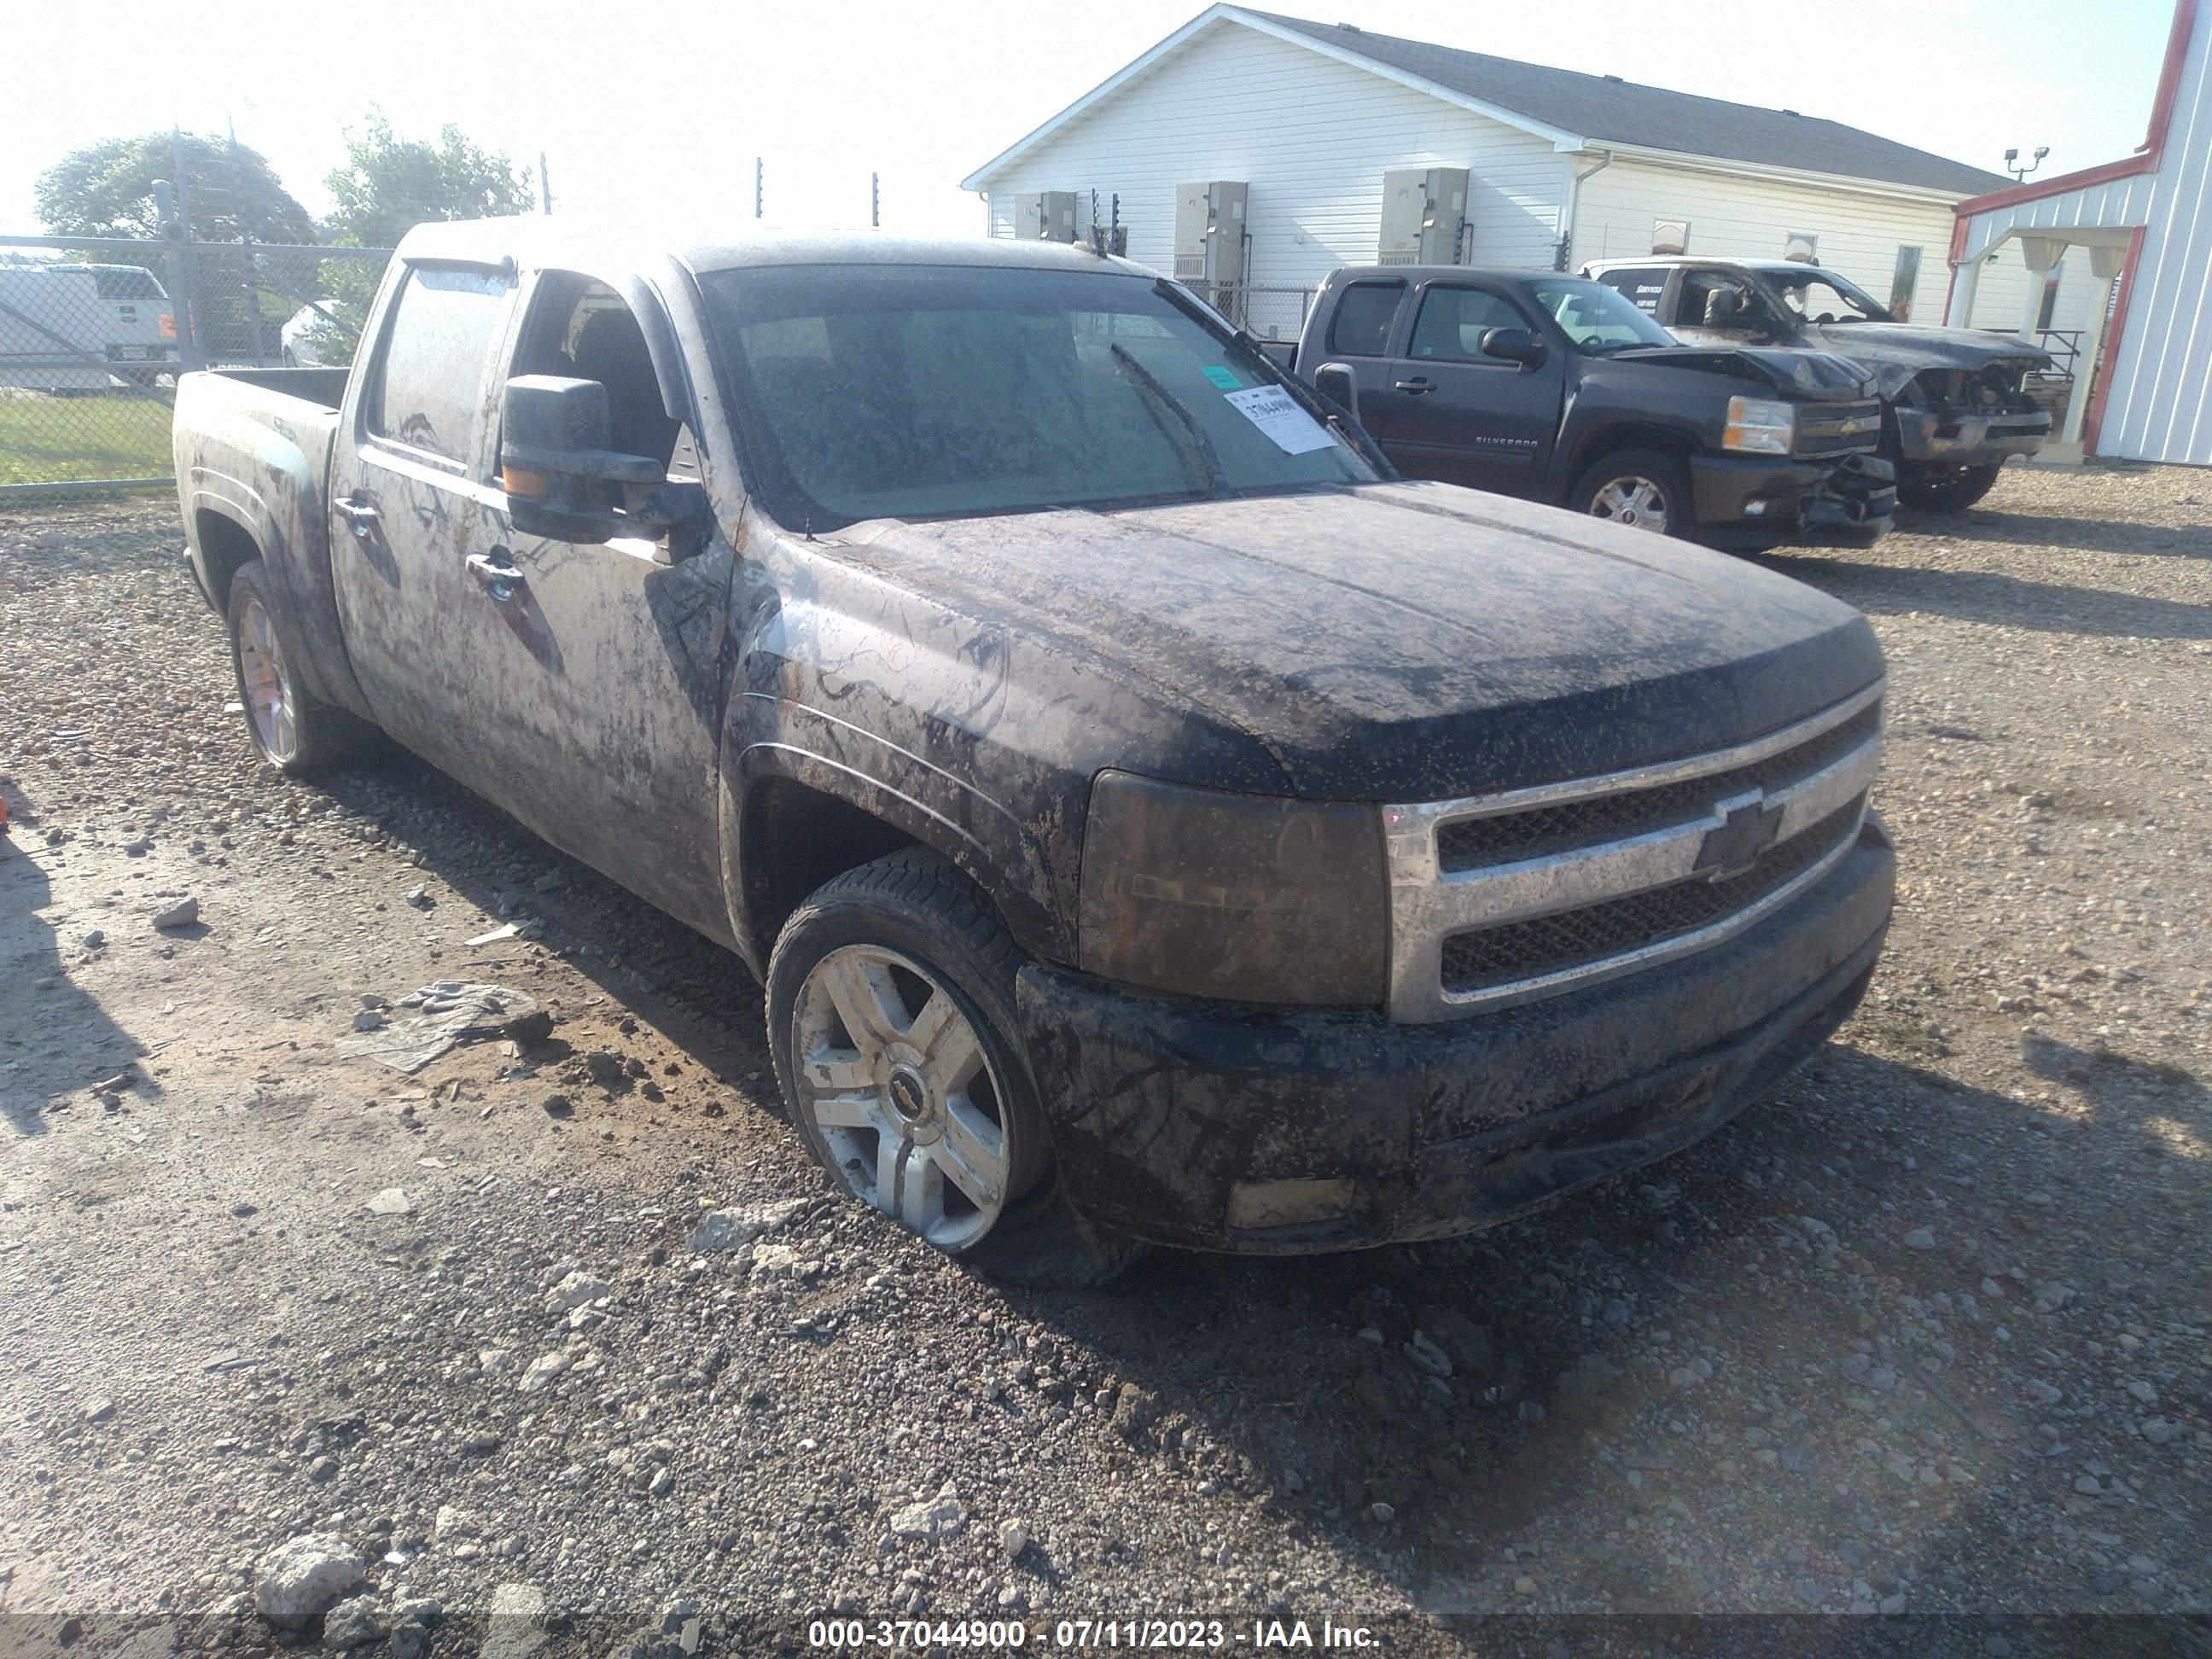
<point x="581" y="328"/>
<point x="1641" y="285"/>
<point x="1715" y="298"/>
<point x="1361" y="327"/>
<point x="447" y="325"/>
<point x="1453" y="320"/>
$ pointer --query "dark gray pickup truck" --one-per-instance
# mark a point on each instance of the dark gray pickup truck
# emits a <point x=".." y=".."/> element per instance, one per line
<point x="1149" y="819"/>
<point x="1956" y="403"/>
<point x="1556" y="388"/>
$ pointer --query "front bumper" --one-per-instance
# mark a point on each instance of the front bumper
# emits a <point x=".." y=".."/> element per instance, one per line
<point x="1212" y="1126"/>
<point x="1972" y="440"/>
<point x="1756" y="499"/>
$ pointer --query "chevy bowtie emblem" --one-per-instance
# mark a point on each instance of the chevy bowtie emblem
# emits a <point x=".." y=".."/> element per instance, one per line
<point x="1749" y="825"/>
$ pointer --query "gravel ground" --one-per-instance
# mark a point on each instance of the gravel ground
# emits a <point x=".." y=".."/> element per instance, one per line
<point x="1928" y="1333"/>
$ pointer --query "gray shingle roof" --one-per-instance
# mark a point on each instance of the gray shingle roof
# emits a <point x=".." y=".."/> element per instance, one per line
<point x="1605" y="110"/>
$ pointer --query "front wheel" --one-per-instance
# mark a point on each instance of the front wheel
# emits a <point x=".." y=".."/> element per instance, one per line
<point x="1637" y="489"/>
<point x="1952" y="490"/>
<point x="891" y="1018"/>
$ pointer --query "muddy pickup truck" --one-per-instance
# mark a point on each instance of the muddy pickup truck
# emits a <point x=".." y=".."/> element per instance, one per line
<point x="1957" y="403"/>
<point x="1554" y="388"/>
<point x="1150" y="820"/>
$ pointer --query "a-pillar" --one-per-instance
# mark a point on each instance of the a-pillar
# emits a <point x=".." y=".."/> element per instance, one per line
<point x="2041" y="252"/>
<point x="2105" y="264"/>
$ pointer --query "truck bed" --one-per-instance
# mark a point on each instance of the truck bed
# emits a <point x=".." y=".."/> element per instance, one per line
<point x="253" y="449"/>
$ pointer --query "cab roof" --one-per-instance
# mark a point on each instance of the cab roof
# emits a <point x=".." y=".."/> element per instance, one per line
<point x="537" y="240"/>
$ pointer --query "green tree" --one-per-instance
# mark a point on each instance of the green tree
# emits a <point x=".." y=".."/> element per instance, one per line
<point x="389" y="184"/>
<point x="107" y="189"/>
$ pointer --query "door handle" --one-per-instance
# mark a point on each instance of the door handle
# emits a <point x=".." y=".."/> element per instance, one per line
<point x="1415" y="386"/>
<point x="496" y="572"/>
<point x="360" y="516"/>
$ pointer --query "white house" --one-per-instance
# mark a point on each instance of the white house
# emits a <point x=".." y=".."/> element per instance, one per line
<point x="1295" y="126"/>
<point x="2143" y="227"/>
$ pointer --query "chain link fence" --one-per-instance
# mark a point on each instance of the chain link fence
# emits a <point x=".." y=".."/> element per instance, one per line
<point x="93" y="333"/>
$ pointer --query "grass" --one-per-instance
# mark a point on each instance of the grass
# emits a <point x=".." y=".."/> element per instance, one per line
<point x="49" y="440"/>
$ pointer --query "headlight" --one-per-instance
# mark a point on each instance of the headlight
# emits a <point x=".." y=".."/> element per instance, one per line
<point x="1245" y="898"/>
<point x="1761" y="426"/>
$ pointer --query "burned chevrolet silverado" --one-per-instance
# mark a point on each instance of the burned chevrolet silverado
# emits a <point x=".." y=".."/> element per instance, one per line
<point x="1957" y="403"/>
<point x="1150" y="820"/>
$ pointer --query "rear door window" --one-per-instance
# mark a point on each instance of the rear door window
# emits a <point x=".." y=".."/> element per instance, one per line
<point x="1361" y="327"/>
<point x="447" y="322"/>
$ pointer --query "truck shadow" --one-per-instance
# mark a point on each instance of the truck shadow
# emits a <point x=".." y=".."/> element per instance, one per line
<point x="56" y="1039"/>
<point x="1990" y="596"/>
<point x="2187" y="541"/>
<point x="1682" y="1349"/>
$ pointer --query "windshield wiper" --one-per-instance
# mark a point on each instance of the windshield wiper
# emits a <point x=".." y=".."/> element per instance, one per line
<point x="1215" y="477"/>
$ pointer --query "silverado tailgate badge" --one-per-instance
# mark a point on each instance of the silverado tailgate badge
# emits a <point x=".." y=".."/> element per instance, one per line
<point x="1749" y="825"/>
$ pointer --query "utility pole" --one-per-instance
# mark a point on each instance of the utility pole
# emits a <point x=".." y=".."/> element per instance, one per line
<point x="178" y="225"/>
<point x="245" y="241"/>
<point x="544" y="187"/>
<point x="756" y="186"/>
<point x="875" y="204"/>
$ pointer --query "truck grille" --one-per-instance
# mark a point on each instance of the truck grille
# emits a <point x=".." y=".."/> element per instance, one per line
<point x="1838" y="428"/>
<point x="1509" y="897"/>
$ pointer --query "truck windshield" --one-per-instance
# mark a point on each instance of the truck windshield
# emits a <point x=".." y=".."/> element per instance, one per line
<point x="1821" y="296"/>
<point x="1596" y="319"/>
<point x="915" y="391"/>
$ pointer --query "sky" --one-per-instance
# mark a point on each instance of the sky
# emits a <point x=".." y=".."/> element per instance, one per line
<point x="663" y="116"/>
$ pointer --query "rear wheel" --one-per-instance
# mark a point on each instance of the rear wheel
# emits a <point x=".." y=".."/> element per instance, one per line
<point x="1951" y="490"/>
<point x="294" y="732"/>
<point x="892" y="1020"/>
<point x="1636" y="488"/>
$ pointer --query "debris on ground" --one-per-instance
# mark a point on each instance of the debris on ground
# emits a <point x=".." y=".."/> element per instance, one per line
<point x="440" y="1015"/>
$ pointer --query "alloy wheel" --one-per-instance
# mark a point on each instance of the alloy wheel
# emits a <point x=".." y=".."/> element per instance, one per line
<point x="894" y="1077"/>
<point x="1635" y="502"/>
<point x="268" y="687"/>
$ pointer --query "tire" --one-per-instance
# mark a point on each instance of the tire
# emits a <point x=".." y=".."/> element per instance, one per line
<point x="1952" y="492"/>
<point x="294" y="732"/>
<point x="929" y="1114"/>
<point x="1641" y="488"/>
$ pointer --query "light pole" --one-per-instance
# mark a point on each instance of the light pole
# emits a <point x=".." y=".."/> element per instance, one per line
<point x="2019" y="172"/>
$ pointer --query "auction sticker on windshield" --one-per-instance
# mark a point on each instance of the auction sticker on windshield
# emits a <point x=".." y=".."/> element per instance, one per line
<point x="1290" y="428"/>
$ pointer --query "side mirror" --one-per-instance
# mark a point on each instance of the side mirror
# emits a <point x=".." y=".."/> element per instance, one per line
<point x="1340" y="385"/>
<point x="564" y="481"/>
<point x="1515" y="345"/>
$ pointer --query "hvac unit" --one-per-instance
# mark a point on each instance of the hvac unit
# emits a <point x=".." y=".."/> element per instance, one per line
<point x="1209" y="236"/>
<point x="1424" y="210"/>
<point x="1045" y="216"/>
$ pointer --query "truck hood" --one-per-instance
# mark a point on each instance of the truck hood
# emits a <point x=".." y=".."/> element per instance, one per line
<point x="1895" y="352"/>
<point x="1405" y="642"/>
<point x="1799" y="376"/>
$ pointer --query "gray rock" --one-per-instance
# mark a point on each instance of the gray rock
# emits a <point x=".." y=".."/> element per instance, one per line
<point x="419" y="898"/>
<point x="182" y="913"/>
<point x="99" y="1409"/>
<point x="1428" y="1356"/>
<point x="1921" y="1238"/>
<point x="1134" y="1411"/>
<point x="2143" y="1391"/>
<point x="1013" y="1539"/>
<point x="2160" y="1430"/>
<point x="303" y="1576"/>
<point x="517" y="1625"/>
<point x="392" y="1200"/>
<point x="544" y="1370"/>
<point x="354" y="1623"/>
<point x="941" y="1517"/>
<point x="733" y="1229"/>
<point x="576" y="1291"/>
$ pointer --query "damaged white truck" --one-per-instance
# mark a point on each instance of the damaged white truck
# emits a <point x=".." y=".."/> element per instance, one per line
<point x="1151" y="820"/>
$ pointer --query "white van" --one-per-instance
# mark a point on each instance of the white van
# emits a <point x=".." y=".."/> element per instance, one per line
<point x="70" y="327"/>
